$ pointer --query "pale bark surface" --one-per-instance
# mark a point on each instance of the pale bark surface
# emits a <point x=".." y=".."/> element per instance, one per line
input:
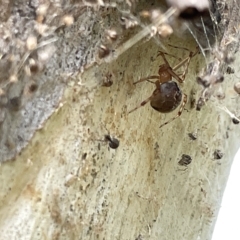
<point x="67" y="185"/>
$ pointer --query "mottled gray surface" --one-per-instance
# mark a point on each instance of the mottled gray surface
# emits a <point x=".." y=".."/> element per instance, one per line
<point x="70" y="48"/>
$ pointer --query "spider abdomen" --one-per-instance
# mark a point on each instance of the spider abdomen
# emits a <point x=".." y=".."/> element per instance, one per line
<point x="167" y="97"/>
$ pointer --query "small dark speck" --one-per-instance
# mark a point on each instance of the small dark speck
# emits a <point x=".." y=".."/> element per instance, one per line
<point x="227" y="135"/>
<point x="84" y="156"/>
<point x="185" y="160"/>
<point x="156" y="145"/>
<point x="192" y="136"/>
<point x="230" y="70"/>
<point x="235" y="121"/>
<point x="139" y="237"/>
<point x="113" y="142"/>
<point x="15" y="103"/>
<point x="33" y="87"/>
<point x="20" y="138"/>
<point x="217" y="154"/>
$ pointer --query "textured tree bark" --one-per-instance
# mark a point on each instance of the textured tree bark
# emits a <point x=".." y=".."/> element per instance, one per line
<point x="66" y="184"/>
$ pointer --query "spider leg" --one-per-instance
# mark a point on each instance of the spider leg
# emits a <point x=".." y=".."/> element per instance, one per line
<point x="186" y="69"/>
<point x="151" y="81"/>
<point x="187" y="62"/>
<point x="181" y="80"/>
<point x="161" y="53"/>
<point x="191" y="53"/>
<point x="179" y="112"/>
<point x="187" y="59"/>
<point x="146" y="79"/>
<point x="141" y="104"/>
<point x="179" y="47"/>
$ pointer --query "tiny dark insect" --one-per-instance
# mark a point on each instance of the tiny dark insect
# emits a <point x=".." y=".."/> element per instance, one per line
<point x="230" y="70"/>
<point x="192" y="136"/>
<point x="185" y="160"/>
<point x="217" y="154"/>
<point x="84" y="156"/>
<point x="112" y="142"/>
<point x="167" y="96"/>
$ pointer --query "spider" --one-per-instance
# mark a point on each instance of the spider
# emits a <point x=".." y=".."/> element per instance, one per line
<point x="167" y="96"/>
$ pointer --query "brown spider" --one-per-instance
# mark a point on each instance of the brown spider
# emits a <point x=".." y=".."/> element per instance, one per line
<point x="167" y="96"/>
